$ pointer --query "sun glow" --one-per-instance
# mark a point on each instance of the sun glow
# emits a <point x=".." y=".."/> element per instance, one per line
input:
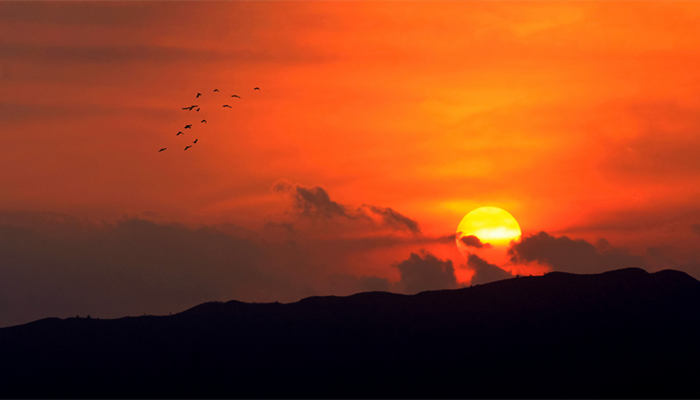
<point x="491" y="225"/>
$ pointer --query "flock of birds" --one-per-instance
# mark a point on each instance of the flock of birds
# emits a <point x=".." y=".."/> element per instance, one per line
<point x="196" y="108"/>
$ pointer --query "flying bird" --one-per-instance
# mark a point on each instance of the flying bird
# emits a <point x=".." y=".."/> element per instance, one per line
<point x="235" y="95"/>
<point x="162" y="149"/>
<point x="226" y="106"/>
<point x="180" y="133"/>
<point x="187" y="147"/>
<point x="190" y="108"/>
<point x="256" y="88"/>
<point x="197" y="96"/>
<point x="188" y="126"/>
<point x="196" y="140"/>
<point x="216" y="90"/>
<point x="204" y="121"/>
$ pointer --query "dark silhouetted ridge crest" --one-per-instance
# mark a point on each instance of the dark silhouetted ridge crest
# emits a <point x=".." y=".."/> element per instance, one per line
<point x="623" y="333"/>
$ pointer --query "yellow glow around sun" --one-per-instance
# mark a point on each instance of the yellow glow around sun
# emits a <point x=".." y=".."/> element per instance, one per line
<point x="491" y="225"/>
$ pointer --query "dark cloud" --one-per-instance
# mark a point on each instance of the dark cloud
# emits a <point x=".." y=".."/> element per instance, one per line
<point x="446" y="238"/>
<point x="344" y="284"/>
<point x="314" y="202"/>
<point x="55" y="265"/>
<point x="424" y="271"/>
<point x="373" y="284"/>
<point x="392" y="218"/>
<point x="572" y="255"/>
<point x="131" y="267"/>
<point x="473" y="241"/>
<point x="484" y="271"/>
<point x="661" y="256"/>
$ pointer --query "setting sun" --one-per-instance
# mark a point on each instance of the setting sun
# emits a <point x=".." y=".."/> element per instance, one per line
<point x="491" y="225"/>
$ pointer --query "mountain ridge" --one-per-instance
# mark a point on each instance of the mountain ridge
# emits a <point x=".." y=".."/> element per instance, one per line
<point x="624" y="333"/>
<point x="624" y="273"/>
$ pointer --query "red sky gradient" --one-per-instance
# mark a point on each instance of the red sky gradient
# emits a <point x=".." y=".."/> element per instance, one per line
<point x="580" y="118"/>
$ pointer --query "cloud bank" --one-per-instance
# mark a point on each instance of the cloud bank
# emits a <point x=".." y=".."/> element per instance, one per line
<point x="315" y="203"/>
<point x="572" y="255"/>
<point x="57" y="265"/>
<point x="424" y="271"/>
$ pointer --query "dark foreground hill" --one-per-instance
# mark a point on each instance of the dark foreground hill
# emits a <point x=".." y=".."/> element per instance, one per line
<point x="625" y="333"/>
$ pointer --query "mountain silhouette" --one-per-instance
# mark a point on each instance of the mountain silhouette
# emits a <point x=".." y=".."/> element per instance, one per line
<point x="623" y="333"/>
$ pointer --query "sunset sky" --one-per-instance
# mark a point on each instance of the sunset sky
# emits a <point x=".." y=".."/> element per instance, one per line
<point x="580" y="118"/>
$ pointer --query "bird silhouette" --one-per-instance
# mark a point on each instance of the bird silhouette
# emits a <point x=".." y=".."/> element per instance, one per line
<point x="197" y="96"/>
<point x="187" y="147"/>
<point x="190" y="108"/>
<point x="195" y="141"/>
<point x="180" y="133"/>
<point x="216" y="90"/>
<point x="188" y="126"/>
<point x="197" y="110"/>
<point x="162" y="149"/>
<point x="235" y="95"/>
<point x="256" y="88"/>
<point x="226" y="106"/>
<point x="204" y="121"/>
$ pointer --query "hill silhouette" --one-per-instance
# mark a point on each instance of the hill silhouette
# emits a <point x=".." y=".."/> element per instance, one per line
<point x="623" y="333"/>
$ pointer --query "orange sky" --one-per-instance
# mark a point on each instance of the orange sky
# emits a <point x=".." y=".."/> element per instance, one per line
<point x="578" y="117"/>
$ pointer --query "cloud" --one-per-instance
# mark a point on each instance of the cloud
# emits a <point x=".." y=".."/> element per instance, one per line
<point x="473" y="241"/>
<point x="373" y="284"/>
<point x="344" y="284"/>
<point x="54" y="265"/>
<point x="571" y="255"/>
<point x="57" y="265"/>
<point x="392" y="218"/>
<point x="424" y="271"/>
<point x="312" y="202"/>
<point x="315" y="203"/>
<point x="484" y="271"/>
